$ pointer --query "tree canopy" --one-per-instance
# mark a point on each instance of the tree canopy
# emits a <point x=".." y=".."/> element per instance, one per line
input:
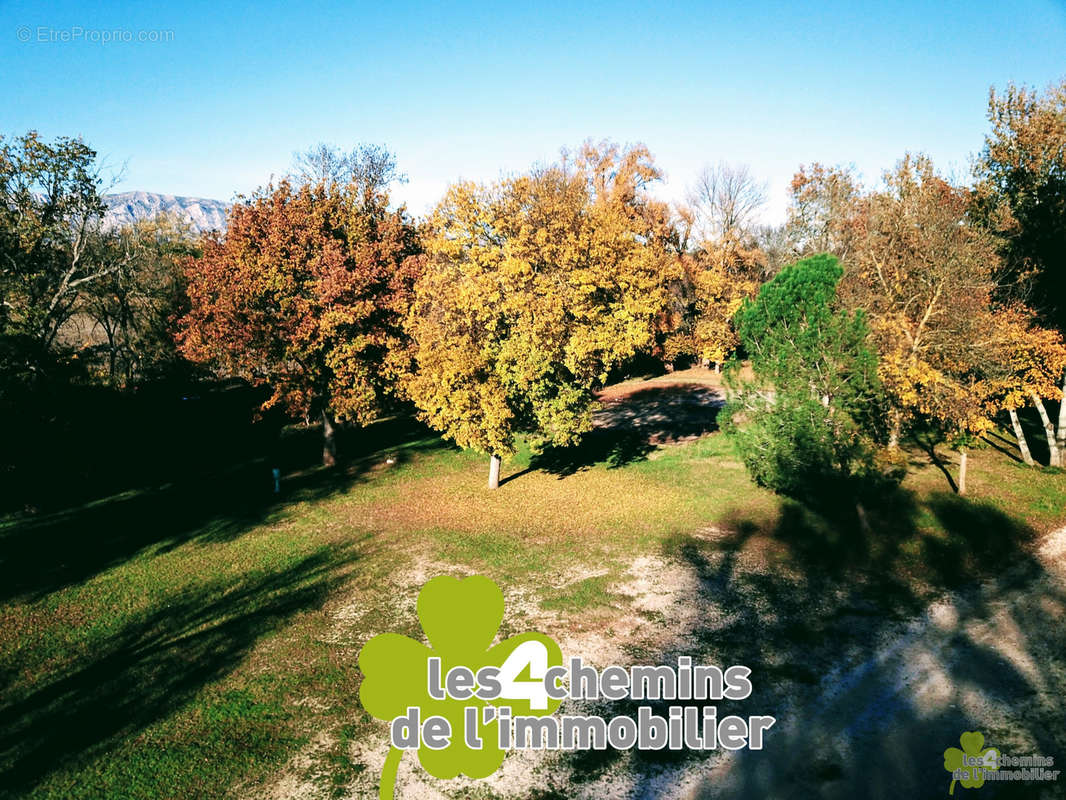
<point x="50" y="209"/>
<point x="1022" y="193"/>
<point x="305" y="293"/>
<point x="534" y="288"/>
<point x="809" y="417"/>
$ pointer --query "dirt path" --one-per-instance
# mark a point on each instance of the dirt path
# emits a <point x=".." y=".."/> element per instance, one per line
<point x="978" y="659"/>
<point x="870" y="720"/>
<point x="661" y="412"/>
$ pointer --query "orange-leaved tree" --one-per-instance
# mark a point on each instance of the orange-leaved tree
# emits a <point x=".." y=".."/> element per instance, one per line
<point x="822" y="208"/>
<point x="951" y="350"/>
<point x="305" y="293"/>
<point x="924" y="275"/>
<point x="533" y="289"/>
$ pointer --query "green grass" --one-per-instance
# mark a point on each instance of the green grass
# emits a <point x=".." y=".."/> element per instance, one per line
<point x="186" y="643"/>
<point x="581" y="595"/>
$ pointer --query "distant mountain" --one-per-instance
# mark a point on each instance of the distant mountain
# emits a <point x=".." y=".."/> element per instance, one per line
<point x="128" y="207"/>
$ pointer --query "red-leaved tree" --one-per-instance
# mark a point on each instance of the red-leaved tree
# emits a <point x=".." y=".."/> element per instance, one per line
<point x="304" y="293"/>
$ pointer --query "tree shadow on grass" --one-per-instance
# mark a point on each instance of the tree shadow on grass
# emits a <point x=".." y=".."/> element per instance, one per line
<point x="881" y="647"/>
<point x="153" y="666"/>
<point x="629" y="428"/>
<point x="1009" y="448"/>
<point x="41" y="554"/>
<point x="1001" y="440"/>
<point x="875" y="643"/>
<point x="1033" y="429"/>
<point x="613" y="448"/>
<point x="927" y="442"/>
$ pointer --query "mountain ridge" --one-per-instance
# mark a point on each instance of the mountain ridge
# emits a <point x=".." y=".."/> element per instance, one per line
<point x="200" y="213"/>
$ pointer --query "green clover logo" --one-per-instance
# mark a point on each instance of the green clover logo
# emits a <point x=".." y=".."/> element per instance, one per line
<point x="460" y="619"/>
<point x="954" y="758"/>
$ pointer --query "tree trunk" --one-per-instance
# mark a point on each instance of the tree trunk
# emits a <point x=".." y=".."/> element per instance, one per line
<point x="1060" y="434"/>
<point x="864" y="522"/>
<point x="962" y="470"/>
<point x="329" y="440"/>
<point x="494" y="472"/>
<point x="1054" y="459"/>
<point x="1023" y="445"/>
<point x="894" y="428"/>
<point x="112" y="360"/>
<point x="717" y="367"/>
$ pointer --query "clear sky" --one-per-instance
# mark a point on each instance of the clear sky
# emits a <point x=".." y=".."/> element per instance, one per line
<point x="472" y="89"/>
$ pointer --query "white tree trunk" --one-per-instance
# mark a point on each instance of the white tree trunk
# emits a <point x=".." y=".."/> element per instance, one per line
<point x="494" y="472"/>
<point x="894" y="429"/>
<point x="1060" y="434"/>
<point x="864" y="521"/>
<point x="1055" y="459"/>
<point x="962" y="471"/>
<point x="329" y="440"/>
<point x="1019" y="434"/>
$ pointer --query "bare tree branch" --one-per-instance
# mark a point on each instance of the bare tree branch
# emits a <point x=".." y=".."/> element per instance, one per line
<point x="726" y="200"/>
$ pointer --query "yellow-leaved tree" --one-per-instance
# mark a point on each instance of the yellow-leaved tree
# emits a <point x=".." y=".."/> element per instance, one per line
<point x="926" y="271"/>
<point x="720" y="264"/>
<point x="724" y="276"/>
<point x="1027" y="363"/>
<point x="534" y="288"/>
<point x="714" y="281"/>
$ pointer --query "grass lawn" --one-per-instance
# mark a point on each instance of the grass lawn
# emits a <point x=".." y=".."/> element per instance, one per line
<point x="201" y="641"/>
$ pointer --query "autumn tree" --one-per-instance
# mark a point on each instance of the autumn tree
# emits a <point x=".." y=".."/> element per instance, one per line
<point x="1026" y="363"/>
<point x="305" y="293"/>
<point x="533" y="289"/>
<point x="925" y="276"/>
<point x="713" y="282"/>
<point x="719" y="264"/>
<point x="822" y="205"/>
<point x="1021" y="195"/>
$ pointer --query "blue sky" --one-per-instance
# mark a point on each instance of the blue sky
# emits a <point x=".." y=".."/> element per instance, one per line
<point x="472" y="89"/>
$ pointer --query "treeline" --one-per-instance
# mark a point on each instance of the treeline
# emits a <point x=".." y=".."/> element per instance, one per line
<point x="921" y="302"/>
